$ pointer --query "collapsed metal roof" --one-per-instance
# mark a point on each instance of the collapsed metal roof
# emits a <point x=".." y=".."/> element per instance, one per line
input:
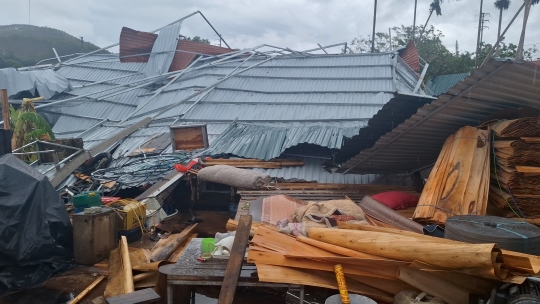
<point x="245" y="97"/>
<point x="416" y="143"/>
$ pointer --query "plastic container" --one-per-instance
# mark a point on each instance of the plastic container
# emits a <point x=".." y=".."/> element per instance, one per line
<point x="409" y="297"/>
<point x="207" y="247"/>
<point x="87" y="200"/>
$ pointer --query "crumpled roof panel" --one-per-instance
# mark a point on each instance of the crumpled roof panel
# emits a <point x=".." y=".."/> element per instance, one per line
<point x="47" y="82"/>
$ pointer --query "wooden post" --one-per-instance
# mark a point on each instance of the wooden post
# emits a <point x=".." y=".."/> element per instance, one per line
<point x="5" y="109"/>
<point x="234" y="266"/>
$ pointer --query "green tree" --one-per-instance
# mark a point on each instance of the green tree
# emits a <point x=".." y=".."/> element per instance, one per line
<point x="431" y="49"/>
<point x="198" y="39"/>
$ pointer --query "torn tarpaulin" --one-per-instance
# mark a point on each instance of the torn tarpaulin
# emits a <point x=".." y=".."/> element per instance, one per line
<point x="35" y="231"/>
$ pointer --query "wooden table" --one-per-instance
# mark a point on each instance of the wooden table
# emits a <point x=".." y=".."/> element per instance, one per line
<point x="188" y="271"/>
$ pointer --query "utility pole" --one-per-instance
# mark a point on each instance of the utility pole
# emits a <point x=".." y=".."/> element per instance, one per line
<point x="82" y="45"/>
<point x="374" y="22"/>
<point x="414" y="20"/>
<point x="484" y="20"/>
<point x="29" y="23"/>
<point x="479" y="34"/>
<point x="390" y="37"/>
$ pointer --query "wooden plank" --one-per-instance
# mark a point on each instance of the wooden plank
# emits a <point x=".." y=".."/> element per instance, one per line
<point x="120" y="273"/>
<point x="279" y="274"/>
<point x="87" y="290"/>
<point x="448" y="292"/>
<point x="138" y="297"/>
<point x="234" y="266"/>
<point x="232" y="225"/>
<point x="5" y="109"/>
<point x="476" y="258"/>
<point x="166" y="247"/>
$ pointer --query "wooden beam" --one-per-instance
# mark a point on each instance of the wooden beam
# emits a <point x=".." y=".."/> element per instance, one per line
<point x="166" y="247"/>
<point x="87" y="290"/>
<point x="5" y="109"/>
<point x="234" y="266"/>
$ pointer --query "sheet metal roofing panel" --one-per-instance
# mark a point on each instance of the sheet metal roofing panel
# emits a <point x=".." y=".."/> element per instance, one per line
<point x="163" y="50"/>
<point x="230" y="112"/>
<point x="416" y="143"/>
<point x="442" y="83"/>
<point x="265" y="142"/>
<point x="182" y="60"/>
<point x="46" y="82"/>
<point x="92" y="75"/>
<point x="71" y="124"/>
<point x="364" y="59"/>
<point x="313" y="171"/>
<point x="303" y="72"/>
<point x="134" y="43"/>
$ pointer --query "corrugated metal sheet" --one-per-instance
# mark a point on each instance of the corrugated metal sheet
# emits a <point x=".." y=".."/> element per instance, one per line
<point x="410" y="56"/>
<point x="442" y="83"/>
<point x="163" y="50"/>
<point x="47" y="82"/>
<point x="182" y="60"/>
<point x="264" y="142"/>
<point x="133" y="43"/>
<point x="313" y="171"/>
<point x="416" y="143"/>
<point x="395" y="112"/>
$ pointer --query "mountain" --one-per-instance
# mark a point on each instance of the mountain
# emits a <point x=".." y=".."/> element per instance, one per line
<point x="25" y="45"/>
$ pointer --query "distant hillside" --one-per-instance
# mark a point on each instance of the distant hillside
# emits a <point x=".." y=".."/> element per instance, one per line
<point x="25" y="45"/>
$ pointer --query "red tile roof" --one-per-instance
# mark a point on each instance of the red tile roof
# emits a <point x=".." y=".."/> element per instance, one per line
<point x="410" y="56"/>
<point x="134" y="42"/>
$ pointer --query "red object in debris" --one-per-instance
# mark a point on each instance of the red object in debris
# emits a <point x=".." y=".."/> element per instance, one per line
<point x="182" y="168"/>
<point x="109" y="199"/>
<point x="397" y="200"/>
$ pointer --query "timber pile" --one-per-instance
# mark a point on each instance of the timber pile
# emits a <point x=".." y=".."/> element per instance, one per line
<point x="381" y="262"/>
<point x="515" y="180"/>
<point x="459" y="182"/>
<point x="254" y="163"/>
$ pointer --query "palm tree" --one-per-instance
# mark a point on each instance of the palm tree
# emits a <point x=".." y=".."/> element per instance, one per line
<point x="519" y="52"/>
<point x="434" y="6"/>
<point x="501" y="5"/>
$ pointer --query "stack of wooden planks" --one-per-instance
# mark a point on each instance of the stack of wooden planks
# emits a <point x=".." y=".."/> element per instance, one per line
<point x="381" y="262"/>
<point x="515" y="179"/>
<point x="254" y="163"/>
<point x="459" y="182"/>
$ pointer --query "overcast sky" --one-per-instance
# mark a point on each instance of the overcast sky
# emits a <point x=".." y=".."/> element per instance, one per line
<point x="297" y="24"/>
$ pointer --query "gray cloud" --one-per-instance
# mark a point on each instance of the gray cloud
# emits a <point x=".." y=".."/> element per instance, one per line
<point x="298" y="24"/>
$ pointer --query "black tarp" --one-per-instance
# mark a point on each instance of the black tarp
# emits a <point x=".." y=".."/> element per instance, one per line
<point x="35" y="231"/>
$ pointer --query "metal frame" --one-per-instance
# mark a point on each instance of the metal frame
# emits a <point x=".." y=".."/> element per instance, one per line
<point x="193" y="126"/>
<point x="170" y="284"/>
<point x="56" y="160"/>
